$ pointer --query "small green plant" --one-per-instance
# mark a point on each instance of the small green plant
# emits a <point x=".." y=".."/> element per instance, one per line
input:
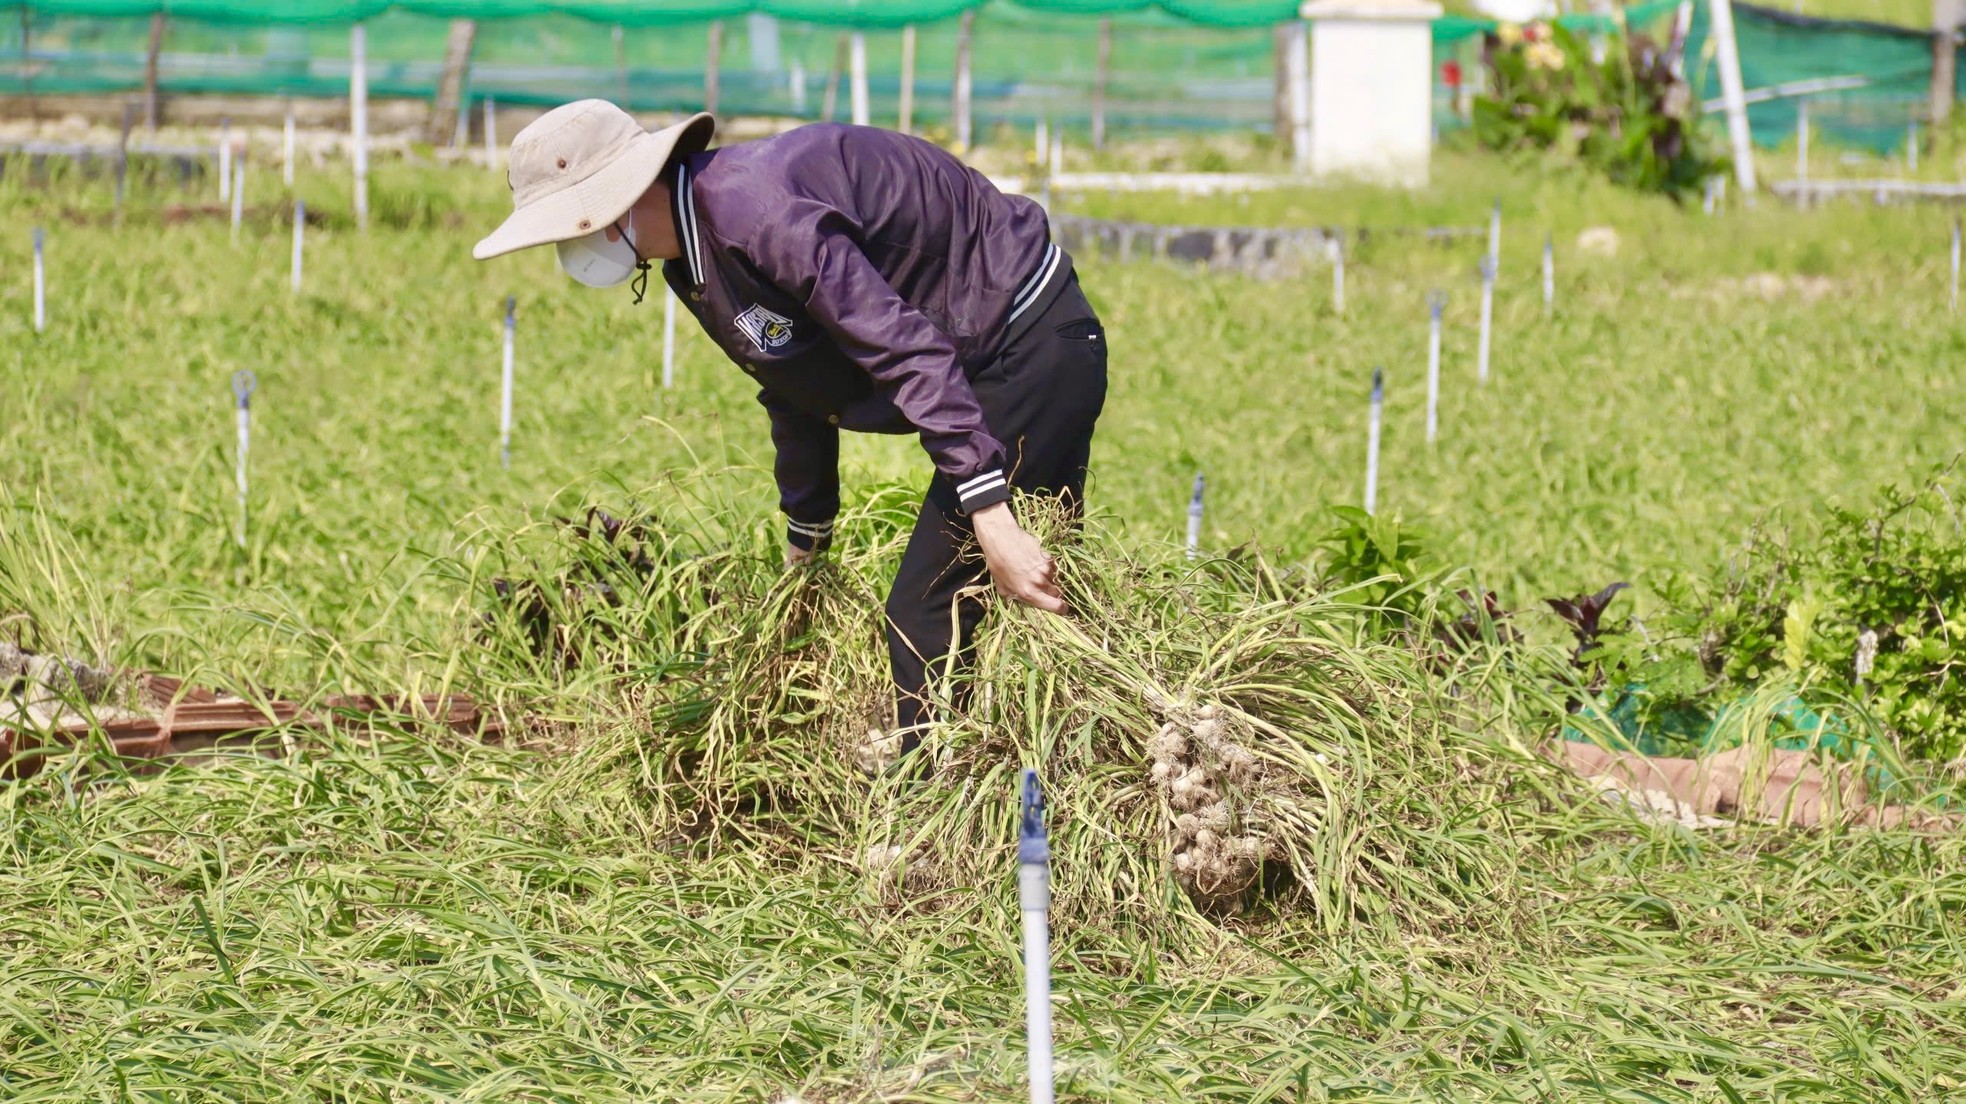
<point x="1615" y="105"/>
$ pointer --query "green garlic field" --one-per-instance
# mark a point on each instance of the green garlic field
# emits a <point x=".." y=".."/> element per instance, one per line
<point x="668" y="881"/>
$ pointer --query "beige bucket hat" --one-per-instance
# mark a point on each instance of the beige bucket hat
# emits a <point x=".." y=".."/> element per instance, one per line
<point x="579" y="167"/>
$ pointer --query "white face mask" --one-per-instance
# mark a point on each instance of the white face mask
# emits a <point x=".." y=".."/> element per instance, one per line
<point x="598" y="262"/>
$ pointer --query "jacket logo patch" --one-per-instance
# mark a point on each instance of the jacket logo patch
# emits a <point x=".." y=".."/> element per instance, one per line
<point x="766" y="329"/>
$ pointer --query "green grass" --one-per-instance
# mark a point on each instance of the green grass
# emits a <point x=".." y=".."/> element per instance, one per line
<point x="407" y="916"/>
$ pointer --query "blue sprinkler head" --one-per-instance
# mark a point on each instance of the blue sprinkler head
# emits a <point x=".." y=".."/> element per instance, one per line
<point x="1200" y="484"/>
<point x="1378" y="384"/>
<point x="1033" y="845"/>
<point x="243" y="385"/>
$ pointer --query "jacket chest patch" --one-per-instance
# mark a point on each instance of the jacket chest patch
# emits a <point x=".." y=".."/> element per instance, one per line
<point x="767" y="329"/>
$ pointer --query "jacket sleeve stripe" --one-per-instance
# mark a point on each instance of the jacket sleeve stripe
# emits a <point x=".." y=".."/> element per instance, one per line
<point x="971" y="486"/>
<point x="980" y="490"/>
<point x="1029" y="294"/>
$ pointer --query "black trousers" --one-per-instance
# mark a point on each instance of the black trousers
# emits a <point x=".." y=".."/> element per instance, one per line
<point x="1040" y="398"/>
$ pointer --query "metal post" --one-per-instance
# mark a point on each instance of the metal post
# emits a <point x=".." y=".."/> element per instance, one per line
<point x="908" y="79"/>
<point x="1034" y="901"/>
<point x="1436" y="303"/>
<point x="1732" y="93"/>
<point x="965" y="131"/>
<point x="358" y="109"/>
<point x="505" y="390"/>
<point x="857" y="79"/>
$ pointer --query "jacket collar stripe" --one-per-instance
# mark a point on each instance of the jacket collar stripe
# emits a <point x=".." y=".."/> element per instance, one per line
<point x="686" y="224"/>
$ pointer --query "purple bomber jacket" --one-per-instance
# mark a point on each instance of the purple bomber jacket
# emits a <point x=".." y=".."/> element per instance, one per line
<point x="862" y="277"/>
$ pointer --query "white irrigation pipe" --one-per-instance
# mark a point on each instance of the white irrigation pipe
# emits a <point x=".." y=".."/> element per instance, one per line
<point x="491" y="133"/>
<point x="224" y="160"/>
<point x="300" y="232"/>
<point x="358" y="113"/>
<point x="1487" y="317"/>
<point x="1337" y="276"/>
<point x="1372" y="440"/>
<point x="1802" y="140"/>
<point x="1034" y="901"/>
<point x="238" y="198"/>
<point x="1194" y="518"/>
<point x="1955" y="266"/>
<point x="1549" y="276"/>
<point x="668" y="340"/>
<point x="1436" y="303"/>
<point x="505" y="389"/>
<point x="40" y="284"/>
<point x="287" y="149"/>
<point x="1495" y="234"/>
<point x="243" y="385"/>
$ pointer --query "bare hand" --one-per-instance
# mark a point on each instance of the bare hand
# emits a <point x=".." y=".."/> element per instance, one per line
<point x="799" y="557"/>
<point x="1019" y="565"/>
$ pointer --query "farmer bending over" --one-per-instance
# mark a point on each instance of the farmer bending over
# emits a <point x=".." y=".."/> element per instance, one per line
<point x="868" y="281"/>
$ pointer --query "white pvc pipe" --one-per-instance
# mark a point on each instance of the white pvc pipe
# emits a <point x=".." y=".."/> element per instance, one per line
<point x="1955" y="266"/>
<point x="238" y="198"/>
<point x="1549" y="277"/>
<point x="1372" y="440"/>
<point x="857" y="63"/>
<point x="242" y="390"/>
<point x="287" y="150"/>
<point x="1733" y="93"/>
<point x="1495" y="235"/>
<point x="300" y="232"/>
<point x="1194" y="518"/>
<point x="40" y="284"/>
<point x="668" y="341"/>
<point x="1436" y="303"/>
<point x="1487" y="317"/>
<point x="1337" y="276"/>
<point x="1298" y="62"/>
<point x="1034" y="898"/>
<point x="224" y="160"/>
<point x="1802" y="140"/>
<point x="358" y="111"/>
<point x="505" y="390"/>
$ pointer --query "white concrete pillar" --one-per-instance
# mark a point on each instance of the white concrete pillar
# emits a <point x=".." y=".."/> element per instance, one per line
<point x="1371" y="88"/>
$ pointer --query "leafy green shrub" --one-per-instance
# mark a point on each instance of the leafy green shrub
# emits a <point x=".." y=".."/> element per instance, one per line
<point x="1870" y="608"/>
<point x="1628" y="115"/>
